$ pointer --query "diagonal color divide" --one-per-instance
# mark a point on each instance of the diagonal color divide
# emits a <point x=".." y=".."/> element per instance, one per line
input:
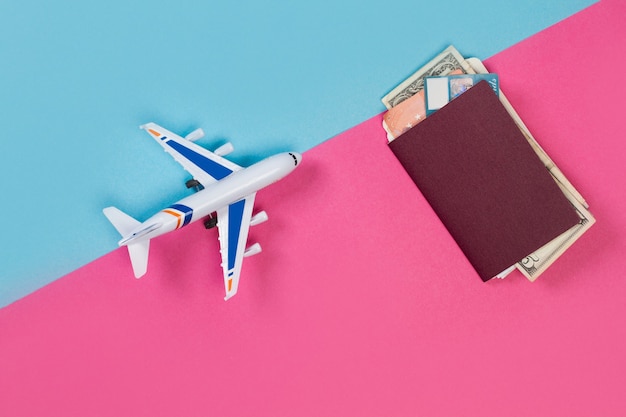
<point x="76" y="81"/>
<point x="361" y="303"/>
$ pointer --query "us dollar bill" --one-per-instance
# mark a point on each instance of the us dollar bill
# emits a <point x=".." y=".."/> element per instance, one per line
<point x="537" y="262"/>
<point x="447" y="61"/>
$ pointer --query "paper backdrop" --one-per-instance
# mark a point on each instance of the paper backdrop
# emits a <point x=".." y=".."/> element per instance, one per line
<point x="361" y="303"/>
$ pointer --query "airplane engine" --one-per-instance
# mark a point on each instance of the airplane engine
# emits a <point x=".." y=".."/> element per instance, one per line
<point x="252" y="250"/>
<point x="258" y="218"/>
<point x="195" y="135"/>
<point x="225" y="149"/>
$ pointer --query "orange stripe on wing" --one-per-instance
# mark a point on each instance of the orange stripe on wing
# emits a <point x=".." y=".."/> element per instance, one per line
<point x="177" y="215"/>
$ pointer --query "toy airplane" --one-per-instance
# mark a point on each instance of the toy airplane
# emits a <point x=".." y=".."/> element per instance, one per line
<point x="222" y="187"/>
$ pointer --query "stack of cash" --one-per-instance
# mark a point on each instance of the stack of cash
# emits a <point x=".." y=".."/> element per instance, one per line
<point x="406" y="106"/>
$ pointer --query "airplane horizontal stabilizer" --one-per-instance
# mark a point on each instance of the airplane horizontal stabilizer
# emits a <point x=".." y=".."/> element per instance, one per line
<point x="120" y="220"/>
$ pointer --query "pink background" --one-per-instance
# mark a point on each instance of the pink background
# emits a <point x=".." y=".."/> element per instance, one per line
<point x="361" y="303"/>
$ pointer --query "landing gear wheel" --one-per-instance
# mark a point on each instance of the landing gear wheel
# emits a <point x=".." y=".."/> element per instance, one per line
<point x="192" y="183"/>
<point x="211" y="221"/>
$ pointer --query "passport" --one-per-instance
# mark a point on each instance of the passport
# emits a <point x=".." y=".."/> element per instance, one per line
<point x="484" y="181"/>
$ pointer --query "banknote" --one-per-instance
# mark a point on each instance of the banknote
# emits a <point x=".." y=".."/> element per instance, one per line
<point x="537" y="262"/>
<point x="447" y="61"/>
<point x="406" y="101"/>
<point x="407" y="114"/>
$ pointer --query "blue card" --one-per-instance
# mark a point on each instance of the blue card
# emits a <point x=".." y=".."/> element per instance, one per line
<point x="439" y="91"/>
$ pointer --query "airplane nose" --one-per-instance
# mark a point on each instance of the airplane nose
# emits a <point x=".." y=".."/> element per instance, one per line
<point x="296" y="157"/>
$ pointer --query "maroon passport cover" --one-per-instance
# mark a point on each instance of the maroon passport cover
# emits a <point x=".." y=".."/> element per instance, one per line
<point x="484" y="181"/>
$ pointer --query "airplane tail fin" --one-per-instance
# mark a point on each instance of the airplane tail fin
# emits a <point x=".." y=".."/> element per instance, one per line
<point x="138" y="251"/>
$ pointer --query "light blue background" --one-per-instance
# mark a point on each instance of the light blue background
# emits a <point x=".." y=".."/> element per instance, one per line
<point x="78" y="78"/>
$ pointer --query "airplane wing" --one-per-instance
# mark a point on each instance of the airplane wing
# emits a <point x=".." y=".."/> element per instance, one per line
<point x="204" y="165"/>
<point x="233" y="224"/>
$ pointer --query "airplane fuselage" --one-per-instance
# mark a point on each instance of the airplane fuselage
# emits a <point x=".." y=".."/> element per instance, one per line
<point x="232" y="188"/>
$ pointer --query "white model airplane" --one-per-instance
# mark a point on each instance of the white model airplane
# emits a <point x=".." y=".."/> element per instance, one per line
<point x="222" y="187"/>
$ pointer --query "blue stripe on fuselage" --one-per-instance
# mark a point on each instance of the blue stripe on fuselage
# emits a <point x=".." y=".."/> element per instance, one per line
<point x="187" y="211"/>
<point x="209" y="166"/>
<point x="235" y="217"/>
